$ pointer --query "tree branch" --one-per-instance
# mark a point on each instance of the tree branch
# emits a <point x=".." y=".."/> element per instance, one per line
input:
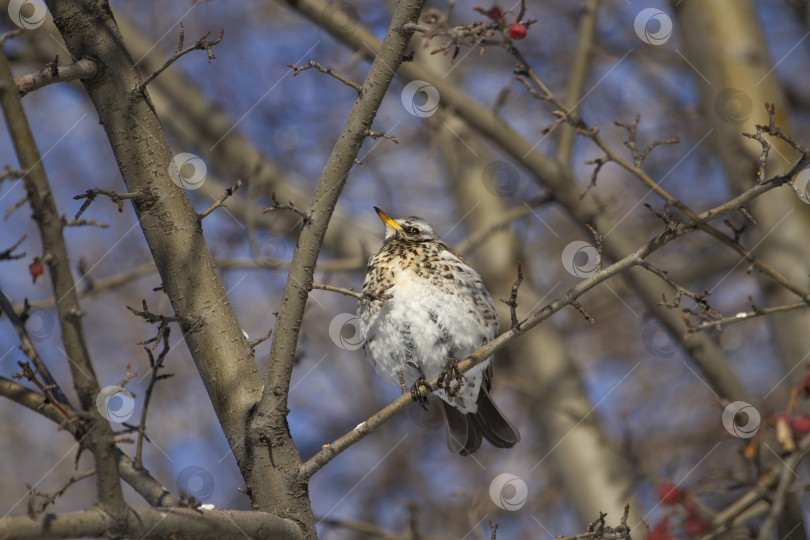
<point x="270" y="417"/>
<point x="158" y="523"/>
<point x="200" y="45"/>
<point x="49" y="221"/>
<point x="84" y="68"/>
<point x="322" y="69"/>
<point x="140" y="480"/>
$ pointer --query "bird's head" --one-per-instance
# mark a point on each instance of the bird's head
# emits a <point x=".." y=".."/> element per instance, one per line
<point x="409" y="229"/>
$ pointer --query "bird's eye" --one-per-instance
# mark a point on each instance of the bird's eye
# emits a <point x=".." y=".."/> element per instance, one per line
<point x="412" y="230"/>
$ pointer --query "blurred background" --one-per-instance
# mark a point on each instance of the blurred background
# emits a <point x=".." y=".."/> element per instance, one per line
<point x="607" y="410"/>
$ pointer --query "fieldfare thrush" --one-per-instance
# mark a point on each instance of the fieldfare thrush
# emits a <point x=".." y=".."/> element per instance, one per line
<point x="423" y="307"/>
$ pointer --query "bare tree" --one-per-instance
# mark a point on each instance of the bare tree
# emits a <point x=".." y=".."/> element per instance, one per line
<point x="645" y="239"/>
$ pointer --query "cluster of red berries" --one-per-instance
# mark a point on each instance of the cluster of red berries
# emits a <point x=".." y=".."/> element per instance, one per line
<point x="694" y="524"/>
<point x="517" y="30"/>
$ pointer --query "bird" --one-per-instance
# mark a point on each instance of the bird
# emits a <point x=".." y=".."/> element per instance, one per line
<point x="422" y="308"/>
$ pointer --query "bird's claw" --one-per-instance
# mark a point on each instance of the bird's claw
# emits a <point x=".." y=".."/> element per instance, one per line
<point x="448" y="374"/>
<point x="416" y="392"/>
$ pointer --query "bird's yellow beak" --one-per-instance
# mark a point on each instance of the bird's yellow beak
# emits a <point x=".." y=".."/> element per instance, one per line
<point x="387" y="220"/>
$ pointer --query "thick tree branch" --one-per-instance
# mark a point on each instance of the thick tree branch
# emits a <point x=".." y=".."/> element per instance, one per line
<point x="172" y="230"/>
<point x="142" y="522"/>
<point x="270" y="419"/>
<point x="84" y="68"/>
<point x="577" y="76"/>
<point x="140" y="480"/>
<point x="47" y="217"/>
<point x="30" y="351"/>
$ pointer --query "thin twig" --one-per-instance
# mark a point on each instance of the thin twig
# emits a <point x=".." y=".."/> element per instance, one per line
<point x="83" y="223"/>
<point x="16" y="205"/>
<point x="313" y="64"/>
<point x="50" y="498"/>
<point x="9" y="255"/>
<point x="154" y="365"/>
<point x="746" y="315"/>
<point x="381" y="134"/>
<point x="8" y="172"/>
<point x="583" y="311"/>
<point x="200" y="45"/>
<point x="288" y="206"/>
<point x="10" y="35"/>
<point x="341" y="290"/>
<point x="512" y="302"/>
<point x="117" y="198"/>
<point x="51" y="388"/>
<point x="219" y="202"/>
<point x="161" y="320"/>
<point x="256" y="342"/>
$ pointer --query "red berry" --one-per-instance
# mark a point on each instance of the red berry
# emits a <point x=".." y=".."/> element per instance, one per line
<point x="694" y="526"/>
<point x="36" y="269"/>
<point x="800" y="424"/>
<point x="495" y="13"/>
<point x="660" y="531"/>
<point x="669" y="494"/>
<point x="517" y="30"/>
